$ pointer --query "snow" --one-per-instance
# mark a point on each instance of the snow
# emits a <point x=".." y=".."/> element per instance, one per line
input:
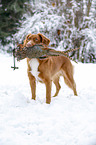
<point x="68" y="120"/>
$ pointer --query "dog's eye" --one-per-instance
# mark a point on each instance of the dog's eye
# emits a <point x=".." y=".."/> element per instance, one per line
<point x="36" y="39"/>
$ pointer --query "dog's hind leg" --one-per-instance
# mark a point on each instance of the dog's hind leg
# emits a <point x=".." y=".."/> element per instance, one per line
<point x="57" y="84"/>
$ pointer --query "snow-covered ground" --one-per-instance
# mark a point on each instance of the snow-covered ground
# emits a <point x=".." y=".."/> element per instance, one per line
<point x="68" y="120"/>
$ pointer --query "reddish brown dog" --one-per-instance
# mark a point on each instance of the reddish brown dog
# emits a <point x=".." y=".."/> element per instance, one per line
<point x="49" y="69"/>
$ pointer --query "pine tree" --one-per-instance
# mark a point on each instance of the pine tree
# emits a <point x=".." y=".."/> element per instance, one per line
<point x="10" y="16"/>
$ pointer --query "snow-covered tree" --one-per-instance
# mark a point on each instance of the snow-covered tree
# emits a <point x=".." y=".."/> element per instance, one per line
<point x="67" y="23"/>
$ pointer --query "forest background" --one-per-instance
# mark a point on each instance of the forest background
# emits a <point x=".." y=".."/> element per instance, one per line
<point x="67" y="23"/>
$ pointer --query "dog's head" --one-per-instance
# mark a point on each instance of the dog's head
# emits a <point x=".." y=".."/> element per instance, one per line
<point x="32" y="39"/>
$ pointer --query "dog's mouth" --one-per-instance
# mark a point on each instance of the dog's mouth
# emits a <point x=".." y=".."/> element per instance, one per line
<point x="35" y="51"/>
<point x="30" y="43"/>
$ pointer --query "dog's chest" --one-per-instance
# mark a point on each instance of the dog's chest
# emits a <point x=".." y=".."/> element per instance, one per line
<point x="34" y="67"/>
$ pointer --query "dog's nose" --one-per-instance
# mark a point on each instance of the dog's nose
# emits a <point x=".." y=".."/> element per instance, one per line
<point x="30" y="43"/>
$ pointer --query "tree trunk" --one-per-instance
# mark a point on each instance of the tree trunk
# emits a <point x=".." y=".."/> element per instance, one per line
<point x="88" y="7"/>
<point x="79" y="14"/>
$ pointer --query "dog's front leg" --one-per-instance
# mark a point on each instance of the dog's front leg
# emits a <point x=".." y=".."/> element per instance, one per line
<point x="32" y="81"/>
<point x="48" y="91"/>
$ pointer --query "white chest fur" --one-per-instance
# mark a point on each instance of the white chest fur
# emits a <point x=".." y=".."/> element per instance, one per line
<point x="34" y="67"/>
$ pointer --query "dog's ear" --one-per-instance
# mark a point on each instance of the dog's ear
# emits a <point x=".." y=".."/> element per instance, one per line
<point x="26" y="39"/>
<point x="44" y="39"/>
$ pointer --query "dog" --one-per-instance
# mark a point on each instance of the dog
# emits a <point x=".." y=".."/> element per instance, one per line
<point x="48" y="69"/>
